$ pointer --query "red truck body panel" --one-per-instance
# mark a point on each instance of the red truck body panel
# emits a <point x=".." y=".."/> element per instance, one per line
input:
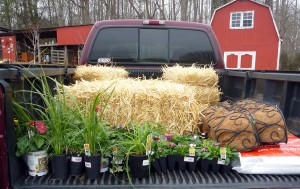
<point x="4" y="179"/>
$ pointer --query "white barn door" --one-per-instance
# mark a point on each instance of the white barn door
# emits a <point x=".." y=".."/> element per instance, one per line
<point x="244" y="60"/>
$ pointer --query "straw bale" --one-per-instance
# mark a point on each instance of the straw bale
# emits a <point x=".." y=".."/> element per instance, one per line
<point x="231" y="126"/>
<point x="270" y="123"/>
<point x="98" y="72"/>
<point x="194" y="76"/>
<point x="174" y="105"/>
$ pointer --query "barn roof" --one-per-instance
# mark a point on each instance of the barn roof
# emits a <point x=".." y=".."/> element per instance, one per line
<point x="274" y="23"/>
<point x="239" y="0"/>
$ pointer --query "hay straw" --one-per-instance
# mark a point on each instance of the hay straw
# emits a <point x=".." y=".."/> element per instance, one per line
<point x="173" y="105"/>
<point x="98" y="72"/>
<point x="193" y="76"/>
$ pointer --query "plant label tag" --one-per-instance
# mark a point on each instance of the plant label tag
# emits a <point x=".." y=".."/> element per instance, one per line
<point x="88" y="165"/>
<point x="76" y="159"/>
<point x="191" y="151"/>
<point x="189" y="159"/>
<point x="148" y="144"/>
<point x="145" y="162"/>
<point x="221" y="162"/>
<point x="87" y="149"/>
<point x="30" y="134"/>
<point x="223" y="153"/>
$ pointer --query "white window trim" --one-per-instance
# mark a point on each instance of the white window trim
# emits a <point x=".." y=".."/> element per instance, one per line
<point x="241" y="21"/>
<point x="239" y="54"/>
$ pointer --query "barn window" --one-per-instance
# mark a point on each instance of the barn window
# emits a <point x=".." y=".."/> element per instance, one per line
<point x="241" y="20"/>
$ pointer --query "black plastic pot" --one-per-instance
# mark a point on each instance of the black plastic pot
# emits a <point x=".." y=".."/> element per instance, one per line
<point x="76" y="165"/>
<point x="139" y="166"/>
<point x="215" y="167"/>
<point x="204" y="165"/>
<point x="191" y="164"/>
<point x="181" y="163"/>
<point x="163" y="164"/>
<point x="171" y="161"/>
<point x="60" y="166"/>
<point x="225" y="169"/>
<point x="155" y="165"/>
<point x="92" y="166"/>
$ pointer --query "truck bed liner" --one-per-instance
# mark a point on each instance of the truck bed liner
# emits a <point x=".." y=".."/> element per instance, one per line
<point x="170" y="179"/>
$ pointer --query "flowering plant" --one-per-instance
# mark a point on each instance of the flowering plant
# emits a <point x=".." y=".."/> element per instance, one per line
<point x="159" y="147"/>
<point x="209" y="150"/>
<point x="32" y="136"/>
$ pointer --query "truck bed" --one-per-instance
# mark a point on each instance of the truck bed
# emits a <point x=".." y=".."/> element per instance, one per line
<point x="279" y="88"/>
<point x="170" y="179"/>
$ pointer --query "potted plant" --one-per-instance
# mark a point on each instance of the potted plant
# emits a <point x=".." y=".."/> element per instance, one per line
<point x="118" y="150"/>
<point x="209" y="153"/>
<point x="105" y="147"/>
<point x="135" y="142"/>
<point x="179" y="152"/>
<point x="45" y="106"/>
<point x="32" y="141"/>
<point x="58" y="116"/>
<point x="159" y="154"/>
<point x="74" y="140"/>
<point x="230" y="155"/>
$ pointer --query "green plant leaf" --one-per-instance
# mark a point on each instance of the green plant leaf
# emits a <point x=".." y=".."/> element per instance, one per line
<point x="38" y="142"/>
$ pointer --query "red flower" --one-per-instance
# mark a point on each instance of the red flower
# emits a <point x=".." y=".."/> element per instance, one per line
<point x="31" y="123"/>
<point x="98" y="108"/>
<point x="39" y="125"/>
<point x="156" y="139"/>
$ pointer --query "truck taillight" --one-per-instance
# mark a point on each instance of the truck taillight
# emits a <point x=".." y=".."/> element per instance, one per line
<point x="154" y="22"/>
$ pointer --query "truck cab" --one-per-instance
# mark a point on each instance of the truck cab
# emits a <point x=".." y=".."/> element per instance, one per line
<point x="152" y="44"/>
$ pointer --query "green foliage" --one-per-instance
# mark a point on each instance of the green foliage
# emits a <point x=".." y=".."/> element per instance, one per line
<point x="28" y="138"/>
<point x="93" y="130"/>
<point x="159" y="148"/>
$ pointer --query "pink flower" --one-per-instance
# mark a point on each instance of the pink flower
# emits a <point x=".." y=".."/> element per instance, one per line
<point x="172" y="144"/>
<point x="192" y="145"/>
<point x="156" y="139"/>
<point x="98" y="108"/>
<point x="204" y="150"/>
<point x="39" y="125"/>
<point x="168" y="136"/>
<point x="159" y="150"/>
<point x="222" y="145"/>
<point x="203" y="134"/>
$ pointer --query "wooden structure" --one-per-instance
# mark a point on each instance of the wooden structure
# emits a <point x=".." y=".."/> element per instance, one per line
<point x="248" y="36"/>
<point x="61" y="45"/>
<point x="66" y="47"/>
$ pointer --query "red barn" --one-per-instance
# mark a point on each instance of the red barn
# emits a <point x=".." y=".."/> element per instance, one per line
<point x="248" y="35"/>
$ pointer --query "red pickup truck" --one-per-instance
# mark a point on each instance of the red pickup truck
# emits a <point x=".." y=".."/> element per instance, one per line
<point x="142" y="47"/>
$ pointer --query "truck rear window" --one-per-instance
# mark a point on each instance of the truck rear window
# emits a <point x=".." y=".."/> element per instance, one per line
<point x="152" y="46"/>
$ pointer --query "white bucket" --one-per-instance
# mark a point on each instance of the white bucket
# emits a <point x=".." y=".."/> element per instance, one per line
<point x="104" y="165"/>
<point x="37" y="163"/>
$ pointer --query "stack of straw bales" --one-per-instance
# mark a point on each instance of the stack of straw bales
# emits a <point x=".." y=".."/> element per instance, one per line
<point x="176" y="104"/>
<point x="92" y="73"/>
